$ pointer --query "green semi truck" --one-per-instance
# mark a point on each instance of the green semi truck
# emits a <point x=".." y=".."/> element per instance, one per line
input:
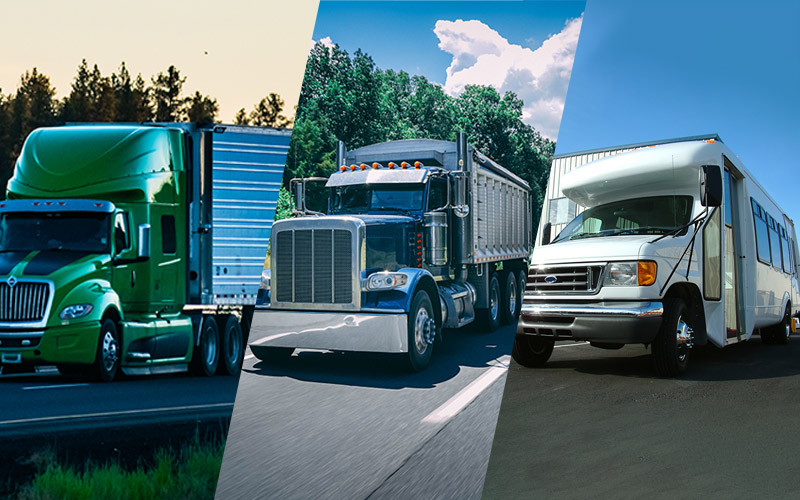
<point x="136" y="248"/>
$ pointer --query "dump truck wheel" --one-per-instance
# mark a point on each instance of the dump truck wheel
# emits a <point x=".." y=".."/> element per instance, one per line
<point x="421" y="331"/>
<point x="232" y="352"/>
<point x="532" y="352"/>
<point x="512" y="299"/>
<point x="206" y="355"/>
<point x="106" y="360"/>
<point x="271" y="354"/>
<point x="781" y="331"/>
<point x="490" y="317"/>
<point x="674" y="340"/>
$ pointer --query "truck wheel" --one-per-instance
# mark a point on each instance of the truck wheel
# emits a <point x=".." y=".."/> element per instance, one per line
<point x="232" y="352"/>
<point x="512" y="299"/>
<point x="106" y="360"/>
<point x="491" y="317"/>
<point x="247" y="322"/>
<point x="522" y="276"/>
<point x="674" y="340"/>
<point x="206" y="355"/>
<point x="421" y="331"/>
<point x="271" y="354"/>
<point x="531" y="352"/>
<point x="781" y="331"/>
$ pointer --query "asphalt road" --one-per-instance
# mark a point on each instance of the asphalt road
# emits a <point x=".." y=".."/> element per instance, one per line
<point x="598" y="424"/>
<point x="48" y="403"/>
<point x="329" y="425"/>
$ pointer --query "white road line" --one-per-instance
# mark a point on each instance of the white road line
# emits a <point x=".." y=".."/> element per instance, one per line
<point x="61" y="386"/>
<point x="466" y="395"/>
<point x="572" y="345"/>
<point x="114" y="413"/>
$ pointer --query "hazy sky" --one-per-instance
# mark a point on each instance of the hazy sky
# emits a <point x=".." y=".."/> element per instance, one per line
<point x="657" y="70"/>
<point x="254" y="47"/>
<point x="524" y="47"/>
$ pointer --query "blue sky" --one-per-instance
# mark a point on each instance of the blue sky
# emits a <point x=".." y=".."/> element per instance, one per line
<point x="401" y="36"/>
<point x="656" y="70"/>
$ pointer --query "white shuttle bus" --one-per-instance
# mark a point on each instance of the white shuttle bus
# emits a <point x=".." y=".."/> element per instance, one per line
<point x="676" y="245"/>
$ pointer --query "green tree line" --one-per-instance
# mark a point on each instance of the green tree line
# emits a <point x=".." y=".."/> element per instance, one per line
<point x="118" y="97"/>
<point x="347" y="97"/>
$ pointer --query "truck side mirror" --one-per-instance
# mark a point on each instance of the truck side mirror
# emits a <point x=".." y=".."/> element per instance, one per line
<point x="710" y="186"/>
<point x="299" y="194"/>
<point x="144" y="241"/>
<point x="548" y="228"/>
<point x="460" y="206"/>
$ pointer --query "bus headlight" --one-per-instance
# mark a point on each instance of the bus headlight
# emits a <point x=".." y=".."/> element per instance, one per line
<point x="641" y="273"/>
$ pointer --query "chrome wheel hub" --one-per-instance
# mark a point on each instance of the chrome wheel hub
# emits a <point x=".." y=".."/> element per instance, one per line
<point x="494" y="304"/>
<point x="424" y="330"/>
<point x="685" y="339"/>
<point x="512" y="298"/>
<point x="110" y="351"/>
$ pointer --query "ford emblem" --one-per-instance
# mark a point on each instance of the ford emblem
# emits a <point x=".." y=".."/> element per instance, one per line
<point x="11" y="281"/>
<point x="550" y="279"/>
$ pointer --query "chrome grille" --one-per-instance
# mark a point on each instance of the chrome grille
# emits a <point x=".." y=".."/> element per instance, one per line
<point x="563" y="279"/>
<point x="314" y="266"/>
<point x="24" y="302"/>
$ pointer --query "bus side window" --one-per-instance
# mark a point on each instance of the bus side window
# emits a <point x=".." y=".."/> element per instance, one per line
<point x="762" y="233"/>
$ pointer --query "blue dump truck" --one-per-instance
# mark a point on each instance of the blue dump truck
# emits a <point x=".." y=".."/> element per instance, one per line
<point x="419" y="235"/>
<point x="136" y="247"/>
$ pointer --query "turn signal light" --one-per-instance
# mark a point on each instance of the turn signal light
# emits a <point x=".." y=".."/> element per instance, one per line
<point x="647" y="272"/>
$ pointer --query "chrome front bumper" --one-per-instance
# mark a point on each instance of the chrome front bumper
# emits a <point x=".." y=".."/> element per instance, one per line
<point x="335" y="331"/>
<point x="611" y="322"/>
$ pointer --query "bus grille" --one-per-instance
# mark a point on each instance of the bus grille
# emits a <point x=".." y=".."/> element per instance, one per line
<point x="24" y="302"/>
<point x="563" y="279"/>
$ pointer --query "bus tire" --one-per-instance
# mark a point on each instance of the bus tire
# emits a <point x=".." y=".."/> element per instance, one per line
<point x="673" y="343"/>
<point x="532" y="352"/>
<point x="781" y="331"/>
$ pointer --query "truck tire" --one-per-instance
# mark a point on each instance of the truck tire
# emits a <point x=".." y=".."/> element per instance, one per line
<point x="205" y="357"/>
<point x="247" y="322"/>
<point x="420" y="322"/>
<point x="532" y="352"/>
<point x="522" y="276"/>
<point x="232" y="346"/>
<point x="271" y="354"/>
<point x="673" y="343"/>
<point x="512" y="298"/>
<point x="781" y="331"/>
<point x="490" y="317"/>
<point x="106" y="360"/>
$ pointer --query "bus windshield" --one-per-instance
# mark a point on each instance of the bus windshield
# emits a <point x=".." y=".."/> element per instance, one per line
<point x="652" y="215"/>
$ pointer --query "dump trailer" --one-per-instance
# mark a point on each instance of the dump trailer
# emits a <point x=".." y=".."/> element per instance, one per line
<point x="419" y="235"/>
<point x="136" y="247"/>
<point x="674" y="244"/>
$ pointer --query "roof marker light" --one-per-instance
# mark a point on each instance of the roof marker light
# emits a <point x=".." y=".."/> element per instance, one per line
<point x="404" y="165"/>
<point x="344" y="168"/>
<point x="417" y="164"/>
<point x="391" y="165"/>
<point x="377" y="165"/>
<point x="353" y="167"/>
<point x="363" y="166"/>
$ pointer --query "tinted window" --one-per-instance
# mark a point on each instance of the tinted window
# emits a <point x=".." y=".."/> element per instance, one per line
<point x="122" y="239"/>
<point x="762" y="233"/>
<point x="168" y="240"/>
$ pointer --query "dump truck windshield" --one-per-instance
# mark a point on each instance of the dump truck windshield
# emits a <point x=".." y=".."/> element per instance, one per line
<point x="71" y="231"/>
<point x="365" y="198"/>
<point x="652" y="215"/>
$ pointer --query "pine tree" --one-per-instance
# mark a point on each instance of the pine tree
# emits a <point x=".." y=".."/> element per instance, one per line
<point x="166" y="93"/>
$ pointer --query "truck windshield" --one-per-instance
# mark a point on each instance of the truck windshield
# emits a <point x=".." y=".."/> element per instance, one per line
<point x="653" y="215"/>
<point x="365" y="198"/>
<point x="67" y="231"/>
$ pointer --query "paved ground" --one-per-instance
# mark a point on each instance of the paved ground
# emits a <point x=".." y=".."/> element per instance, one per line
<point x="598" y="424"/>
<point x="346" y="425"/>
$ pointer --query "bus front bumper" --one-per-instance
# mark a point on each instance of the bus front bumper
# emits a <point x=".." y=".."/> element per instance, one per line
<point x="604" y="322"/>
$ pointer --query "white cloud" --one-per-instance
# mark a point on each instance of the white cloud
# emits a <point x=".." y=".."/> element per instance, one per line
<point x="539" y="77"/>
<point x="324" y="41"/>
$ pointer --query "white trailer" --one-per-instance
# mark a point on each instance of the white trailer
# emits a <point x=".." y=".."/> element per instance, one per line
<point x="673" y="244"/>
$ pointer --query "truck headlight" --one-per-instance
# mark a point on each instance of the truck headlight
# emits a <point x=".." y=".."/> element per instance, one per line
<point x="76" y="311"/>
<point x="641" y="273"/>
<point x="386" y="281"/>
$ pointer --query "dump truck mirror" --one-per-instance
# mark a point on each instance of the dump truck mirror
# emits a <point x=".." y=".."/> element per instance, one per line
<point x="144" y="241"/>
<point x="299" y="194"/>
<point x="460" y="206"/>
<point x="710" y="186"/>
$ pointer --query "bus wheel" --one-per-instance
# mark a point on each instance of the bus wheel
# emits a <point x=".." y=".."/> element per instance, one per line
<point x="232" y="351"/>
<point x="106" y="361"/>
<point x="781" y="331"/>
<point x="206" y="355"/>
<point x="531" y="352"/>
<point x="674" y="340"/>
<point x="421" y="331"/>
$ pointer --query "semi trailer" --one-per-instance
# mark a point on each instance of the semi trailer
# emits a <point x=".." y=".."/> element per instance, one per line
<point x="136" y="248"/>
<point x="419" y="235"/>
<point x="673" y="244"/>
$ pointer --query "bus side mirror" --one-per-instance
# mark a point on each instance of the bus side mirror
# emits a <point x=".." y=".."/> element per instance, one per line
<point x="546" y="233"/>
<point x="144" y="241"/>
<point x="710" y="186"/>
